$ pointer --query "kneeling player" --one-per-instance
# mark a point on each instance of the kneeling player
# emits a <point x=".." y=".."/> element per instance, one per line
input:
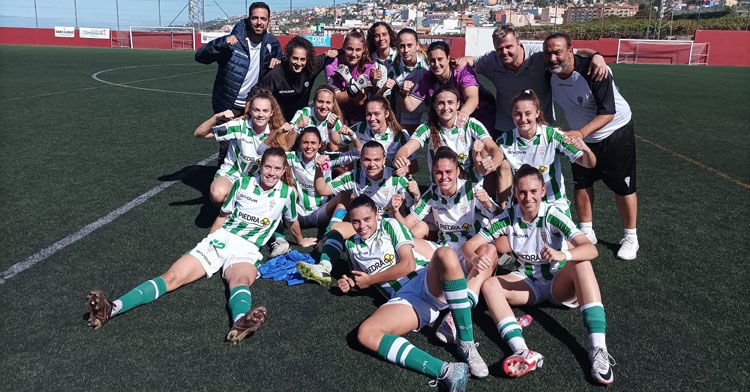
<point x="250" y="214"/>
<point x="547" y="271"/>
<point x="382" y="253"/>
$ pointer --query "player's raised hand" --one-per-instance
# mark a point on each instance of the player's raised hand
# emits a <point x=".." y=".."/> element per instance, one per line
<point x="375" y="75"/>
<point x="407" y="87"/>
<point x="331" y="120"/>
<point x="331" y="53"/>
<point x="390" y="83"/>
<point x="413" y="187"/>
<point x="461" y="62"/>
<point x="232" y="40"/>
<point x="322" y="162"/>
<point x="401" y="163"/>
<point x="478" y="146"/>
<point x="225" y="115"/>
<point x="345" y="130"/>
<point x="578" y="143"/>
<point x="274" y="62"/>
<point x="550" y="254"/>
<point x="303" y="122"/>
<point x="345" y="284"/>
<point x="484" y="198"/>
<point x="461" y="118"/>
<point x="361" y="279"/>
<point x="396" y="201"/>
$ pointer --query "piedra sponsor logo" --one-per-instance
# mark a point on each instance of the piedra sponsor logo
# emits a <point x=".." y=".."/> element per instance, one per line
<point x="253" y="219"/>
<point x="381" y="264"/>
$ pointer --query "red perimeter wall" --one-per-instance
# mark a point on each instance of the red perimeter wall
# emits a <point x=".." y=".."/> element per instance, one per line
<point x="727" y="47"/>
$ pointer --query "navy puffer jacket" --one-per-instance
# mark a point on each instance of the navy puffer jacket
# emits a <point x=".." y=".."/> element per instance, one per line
<point x="234" y="62"/>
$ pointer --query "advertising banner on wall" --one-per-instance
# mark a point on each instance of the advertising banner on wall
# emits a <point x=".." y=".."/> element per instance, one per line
<point x="208" y="36"/>
<point x="65" y="31"/>
<point x="319" y="40"/>
<point x="96" y="33"/>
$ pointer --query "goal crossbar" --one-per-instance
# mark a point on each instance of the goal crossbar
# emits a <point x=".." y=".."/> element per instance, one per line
<point x="179" y="37"/>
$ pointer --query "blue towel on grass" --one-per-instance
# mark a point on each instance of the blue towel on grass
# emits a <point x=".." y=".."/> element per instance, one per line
<point x="285" y="268"/>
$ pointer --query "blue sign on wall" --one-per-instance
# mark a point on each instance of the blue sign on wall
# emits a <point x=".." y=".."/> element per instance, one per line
<point x="319" y="41"/>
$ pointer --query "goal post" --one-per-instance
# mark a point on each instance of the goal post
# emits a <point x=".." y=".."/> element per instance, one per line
<point x="644" y="51"/>
<point x="162" y="37"/>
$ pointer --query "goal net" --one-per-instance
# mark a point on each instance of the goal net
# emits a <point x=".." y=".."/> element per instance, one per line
<point x="642" y="51"/>
<point x="161" y="37"/>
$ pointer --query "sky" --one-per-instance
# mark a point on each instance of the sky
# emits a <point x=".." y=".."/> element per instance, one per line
<point x="103" y="13"/>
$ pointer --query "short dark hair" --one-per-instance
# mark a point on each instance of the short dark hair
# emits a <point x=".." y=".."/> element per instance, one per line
<point x="439" y="45"/>
<point x="363" y="201"/>
<point x="258" y="4"/>
<point x="558" y="35"/>
<point x="310" y="129"/>
<point x="407" y="31"/>
<point x="373" y="144"/>
<point x="527" y="170"/>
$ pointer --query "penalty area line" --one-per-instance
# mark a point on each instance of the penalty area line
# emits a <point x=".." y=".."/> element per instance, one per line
<point x="696" y="163"/>
<point x="45" y="253"/>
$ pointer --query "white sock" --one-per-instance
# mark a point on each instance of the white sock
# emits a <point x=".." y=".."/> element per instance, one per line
<point x="597" y="340"/>
<point x="116" y="306"/>
<point x="517" y="344"/>
<point x="630" y="233"/>
<point x="326" y="264"/>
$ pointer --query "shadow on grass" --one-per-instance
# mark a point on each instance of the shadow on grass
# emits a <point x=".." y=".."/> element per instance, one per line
<point x="199" y="178"/>
<point x="612" y="246"/>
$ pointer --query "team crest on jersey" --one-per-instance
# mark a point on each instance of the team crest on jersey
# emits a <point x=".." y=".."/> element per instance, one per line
<point x="464" y="209"/>
<point x="542" y="149"/>
<point x="580" y="100"/>
<point x="544" y="236"/>
<point x="307" y="84"/>
<point x="543" y="169"/>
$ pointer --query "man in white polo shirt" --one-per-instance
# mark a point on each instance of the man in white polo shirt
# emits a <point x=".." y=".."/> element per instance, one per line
<point x="597" y="113"/>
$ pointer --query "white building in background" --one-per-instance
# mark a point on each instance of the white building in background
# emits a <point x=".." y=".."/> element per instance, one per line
<point x="552" y="15"/>
<point x="408" y="14"/>
<point x="519" y="18"/>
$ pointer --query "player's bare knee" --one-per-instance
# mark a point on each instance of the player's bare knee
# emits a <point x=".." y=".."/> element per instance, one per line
<point x="369" y="335"/>
<point x="447" y="258"/>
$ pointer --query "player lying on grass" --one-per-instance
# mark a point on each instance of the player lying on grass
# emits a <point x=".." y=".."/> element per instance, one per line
<point x="370" y="178"/>
<point x="442" y="129"/>
<point x="245" y="134"/>
<point x="254" y="208"/>
<point x="324" y="114"/>
<point x="459" y="209"/>
<point x="536" y="143"/>
<point x="547" y="271"/>
<point x="382" y="254"/>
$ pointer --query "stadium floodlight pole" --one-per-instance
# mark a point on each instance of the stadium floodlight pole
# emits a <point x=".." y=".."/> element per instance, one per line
<point x="117" y="10"/>
<point x="75" y="12"/>
<point x="601" y="26"/>
<point x="158" y="5"/>
<point x="36" y="17"/>
<point x="648" y="27"/>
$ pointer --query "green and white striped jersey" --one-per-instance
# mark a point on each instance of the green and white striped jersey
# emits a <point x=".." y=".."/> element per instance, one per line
<point x="304" y="178"/>
<point x="459" y="139"/>
<point x="379" y="252"/>
<point x="321" y="125"/>
<point x="458" y="218"/>
<point x="391" y="142"/>
<point x="243" y="155"/>
<point x="255" y="213"/>
<point x="540" y="152"/>
<point x="551" y="228"/>
<point x="387" y="63"/>
<point x="380" y="191"/>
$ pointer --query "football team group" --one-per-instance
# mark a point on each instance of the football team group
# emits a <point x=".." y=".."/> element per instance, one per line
<point x="345" y="164"/>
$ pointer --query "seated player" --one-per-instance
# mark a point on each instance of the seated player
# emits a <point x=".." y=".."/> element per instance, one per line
<point x="371" y="178"/>
<point x="245" y="135"/>
<point x="381" y="126"/>
<point x="536" y="143"/>
<point x="250" y="214"/>
<point x="547" y="271"/>
<point x="442" y="129"/>
<point x="382" y="253"/>
<point x="315" y="210"/>
<point x="324" y="114"/>
<point x="459" y="209"/>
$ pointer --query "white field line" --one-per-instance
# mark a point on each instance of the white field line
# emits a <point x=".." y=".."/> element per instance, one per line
<point x="45" y="253"/>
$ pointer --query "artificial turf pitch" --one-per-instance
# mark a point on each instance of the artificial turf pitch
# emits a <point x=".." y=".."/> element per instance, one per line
<point x="74" y="149"/>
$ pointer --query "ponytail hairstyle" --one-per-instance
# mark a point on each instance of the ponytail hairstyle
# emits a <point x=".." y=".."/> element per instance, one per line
<point x="286" y="177"/>
<point x="390" y="118"/>
<point x="530" y="95"/>
<point x="277" y="117"/>
<point x="371" y="36"/>
<point x="366" y="59"/>
<point x="441" y="45"/>
<point x="433" y="120"/>
<point x="445" y="152"/>
<point x="527" y="170"/>
<point x="335" y="109"/>
<point x="420" y="49"/>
